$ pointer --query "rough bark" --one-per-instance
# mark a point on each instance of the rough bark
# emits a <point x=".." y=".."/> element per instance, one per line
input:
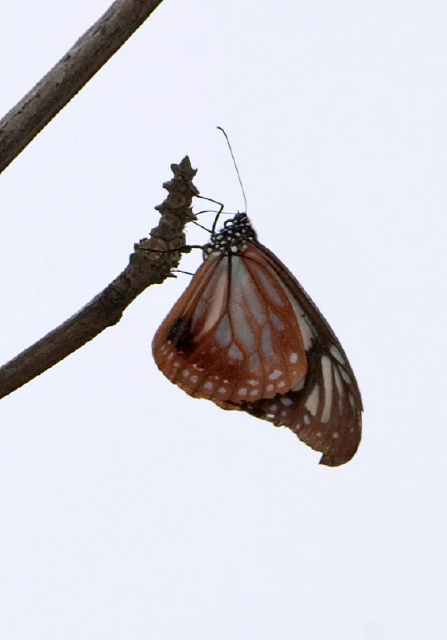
<point x="151" y="263"/>
<point x="24" y="121"/>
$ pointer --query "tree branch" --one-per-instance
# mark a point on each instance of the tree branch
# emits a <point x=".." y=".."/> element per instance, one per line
<point x="144" y="269"/>
<point x="69" y="75"/>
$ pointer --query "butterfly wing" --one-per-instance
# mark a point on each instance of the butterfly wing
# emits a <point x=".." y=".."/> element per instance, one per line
<point x="247" y="336"/>
<point x="233" y="335"/>
<point x="325" y="411"/>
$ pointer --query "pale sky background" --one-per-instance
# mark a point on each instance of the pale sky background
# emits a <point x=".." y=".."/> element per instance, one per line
<point x="129" y="510"/>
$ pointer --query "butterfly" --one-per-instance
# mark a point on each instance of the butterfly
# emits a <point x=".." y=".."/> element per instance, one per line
<point x="246" y="336"/>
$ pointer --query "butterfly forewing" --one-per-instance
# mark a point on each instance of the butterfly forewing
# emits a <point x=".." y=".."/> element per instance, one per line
<point x="228" y="339"/>
<point x="247" y="336"/>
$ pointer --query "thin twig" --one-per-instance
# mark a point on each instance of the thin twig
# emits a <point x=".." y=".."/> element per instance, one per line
<point x="20" y="125"/>
<point x="144" y="269"/>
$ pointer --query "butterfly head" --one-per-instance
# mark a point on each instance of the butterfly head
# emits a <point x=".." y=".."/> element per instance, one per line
<point x="233" y="238"/>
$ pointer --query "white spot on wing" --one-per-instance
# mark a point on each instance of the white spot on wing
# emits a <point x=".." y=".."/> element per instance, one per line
<point x="307" y="331"/>
<point x="339" y="385"/>
<point x="275" y="374"/>
<point x="338" y="382"/>
<point x="293" y="358"/>
<point x="328" y="385"/>
<point x="312" y="400"/>
<point x="337" y="355"/>
<point x="242" y="391"/>
<point x="208" y="386"/>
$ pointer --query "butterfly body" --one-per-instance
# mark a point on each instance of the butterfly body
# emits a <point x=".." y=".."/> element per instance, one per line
<point x="245" y="335"/>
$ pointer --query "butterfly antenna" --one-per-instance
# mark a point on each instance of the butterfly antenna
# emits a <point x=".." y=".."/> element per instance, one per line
<point x="235" y="166"/>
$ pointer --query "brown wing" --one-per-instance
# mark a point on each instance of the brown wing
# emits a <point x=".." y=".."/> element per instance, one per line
<point x="324" y="411"/>
<point x="247" y="336"/>
<point x="233" y="335"/>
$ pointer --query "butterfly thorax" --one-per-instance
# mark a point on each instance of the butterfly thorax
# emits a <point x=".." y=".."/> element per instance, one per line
<point x="233" y="238"/>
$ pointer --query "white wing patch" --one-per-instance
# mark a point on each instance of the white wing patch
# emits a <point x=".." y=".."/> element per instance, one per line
<point x="326" y="367"/>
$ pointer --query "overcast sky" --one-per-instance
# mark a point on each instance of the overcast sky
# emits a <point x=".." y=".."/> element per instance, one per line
<point x="129" y="509"/>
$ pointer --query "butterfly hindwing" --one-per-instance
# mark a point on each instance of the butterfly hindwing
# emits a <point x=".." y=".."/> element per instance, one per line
<point x="325" y="412"/>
